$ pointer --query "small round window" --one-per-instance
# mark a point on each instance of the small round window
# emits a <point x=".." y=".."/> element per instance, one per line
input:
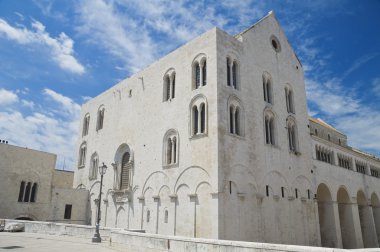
<point x="275" y="43"/>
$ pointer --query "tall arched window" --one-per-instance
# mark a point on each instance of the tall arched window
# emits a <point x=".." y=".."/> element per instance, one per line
<point x="198" y="116"/>
<point x="236" y="116"/>
<point x="94" y="165"/>
<point x="86" y="124"/>
<point x="204" y="73"/>
<point x="228" y="72"/>
<point x="267" y="88"/>
<point x="100" y="121"/>
<point x="170" y="148"/>
<point x="33" y="193"/>
<point x="292" y="134"/>
<point x="82" y="155"/>
<point x="234" y="74"/>
<point x="269" y="125"/>
<point x="125" y="166"/>
<point x="27" y="192"/>
<point x="289" y="99"/>
<point x="199" y="71"/>
<point x="169" y="85"/>
<point x="21" y="193"/>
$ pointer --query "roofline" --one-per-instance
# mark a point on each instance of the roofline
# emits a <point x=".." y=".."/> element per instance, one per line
<point x="331" y="127"/>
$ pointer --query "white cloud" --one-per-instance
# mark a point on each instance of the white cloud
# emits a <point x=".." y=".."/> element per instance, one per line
<point x="7" y="97"/>
<point x="61" y="47"/>
<point x="46" y="129"/>
<point x="138" y="32"/>
<point x="69" y="106"/>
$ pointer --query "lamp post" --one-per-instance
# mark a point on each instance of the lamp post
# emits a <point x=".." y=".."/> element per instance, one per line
<point x="102" y="171"/>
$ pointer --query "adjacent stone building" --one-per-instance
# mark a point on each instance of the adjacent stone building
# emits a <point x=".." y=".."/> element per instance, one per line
<point x="214" y="140"/>
<point x="32" y="189"/>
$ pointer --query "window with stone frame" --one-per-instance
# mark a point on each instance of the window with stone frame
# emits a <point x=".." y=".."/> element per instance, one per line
<point x="360" y="166"/>
<point x="292" y="134"/>
<point x="232" y="72"/>
<point x="100" y="120"/>
<point x="169" y="85"/>
<point x="269" y="127"/>
<point x="94" y="165"/>
<point x="324" y="154"/>
<point x="170" y="148"/>
<point x="199" y="67"/>
<point x="82" y="155"/>
<point x="289" y="99"/>
<point x="344" y="161"/>
<point x="86" y="124"/>
<point x="198" y="116"/>
<point x="267" y="88"/>
<point x="125" y="171"/>
<point x="28" y="192"/>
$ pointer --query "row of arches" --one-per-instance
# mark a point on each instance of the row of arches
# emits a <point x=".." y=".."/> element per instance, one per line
<point x="348" y="222"/>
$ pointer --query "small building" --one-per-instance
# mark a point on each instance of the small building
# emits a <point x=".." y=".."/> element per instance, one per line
<point x="32" y="189"/>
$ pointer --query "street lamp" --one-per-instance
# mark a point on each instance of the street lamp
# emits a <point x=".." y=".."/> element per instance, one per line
<point x="102" y="171"/>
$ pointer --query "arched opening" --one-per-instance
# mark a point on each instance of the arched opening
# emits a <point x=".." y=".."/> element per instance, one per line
<point x="24" y="218"/>
<point x="346" y="219"/>
<point x="366" y="222"/>
<point x="124" y="183"/>
<point x="376" y="214"/>
<point x="326" y="217"/>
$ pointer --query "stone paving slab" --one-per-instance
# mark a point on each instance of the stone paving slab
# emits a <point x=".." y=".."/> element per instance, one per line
<point x="41" y="242"/>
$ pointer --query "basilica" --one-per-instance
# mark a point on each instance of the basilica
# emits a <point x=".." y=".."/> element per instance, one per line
<point x="214" y="140"/>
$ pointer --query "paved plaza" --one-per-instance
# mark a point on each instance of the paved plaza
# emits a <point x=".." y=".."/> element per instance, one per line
<point x="40" y="242"/>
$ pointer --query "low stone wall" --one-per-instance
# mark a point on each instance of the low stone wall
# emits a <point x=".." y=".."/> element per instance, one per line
<point x="144" y="242"/>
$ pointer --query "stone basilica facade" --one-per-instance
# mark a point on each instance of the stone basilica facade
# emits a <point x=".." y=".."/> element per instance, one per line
<point x="214" y="140"/>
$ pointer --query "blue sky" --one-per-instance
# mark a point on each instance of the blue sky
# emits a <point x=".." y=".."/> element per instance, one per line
<point x="55" y="55"/>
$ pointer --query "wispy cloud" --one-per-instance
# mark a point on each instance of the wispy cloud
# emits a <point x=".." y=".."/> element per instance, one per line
<point x="61" y="47"/>
<point x="376" y="86"/>
<point x="45" y="127"/>
<point x="139" y="32"/>
<point x="358" y="63"/>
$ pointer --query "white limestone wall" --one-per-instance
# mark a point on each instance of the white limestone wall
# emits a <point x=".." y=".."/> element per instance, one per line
<point x="22" y="164"/>
<point x="247" y="164"/>
<point x="136" y="115"/>
<point x="77" y="198"/>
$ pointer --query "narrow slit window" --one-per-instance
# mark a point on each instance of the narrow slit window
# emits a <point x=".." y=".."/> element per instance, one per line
<point x="68" y="209"/>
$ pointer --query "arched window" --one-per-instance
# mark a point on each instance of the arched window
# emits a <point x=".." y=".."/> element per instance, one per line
<point x="204" y="73"/>
<point x="170" y="148"/>
<point x="199" y="71"/>
<point x="198" y="116"/>
<point x="269" y="128"/>
<point x="228" y="72"/>
<point x="292" y="134"/>
<point x="236" y="116"/>
<point x="169" y="85"/>
<point x="234" y="74"/>
<point x="33" y="193"/>
<point x="21" y="193"/>
<point x="125" y="170"/>
<point x="100" y="121"/>
<point x="82" y="155"/>
<point x="289" y="99"/>
<point x="86" y="124"/>
<point x="203" y="118"/>
<point x="197" y="75"/>
<point x="93" y="173"/>
<point x="267" y="88"/>
<point x="27" y="192"/>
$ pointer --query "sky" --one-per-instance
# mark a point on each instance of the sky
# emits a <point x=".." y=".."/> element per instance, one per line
<point x="55" y="55"/>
